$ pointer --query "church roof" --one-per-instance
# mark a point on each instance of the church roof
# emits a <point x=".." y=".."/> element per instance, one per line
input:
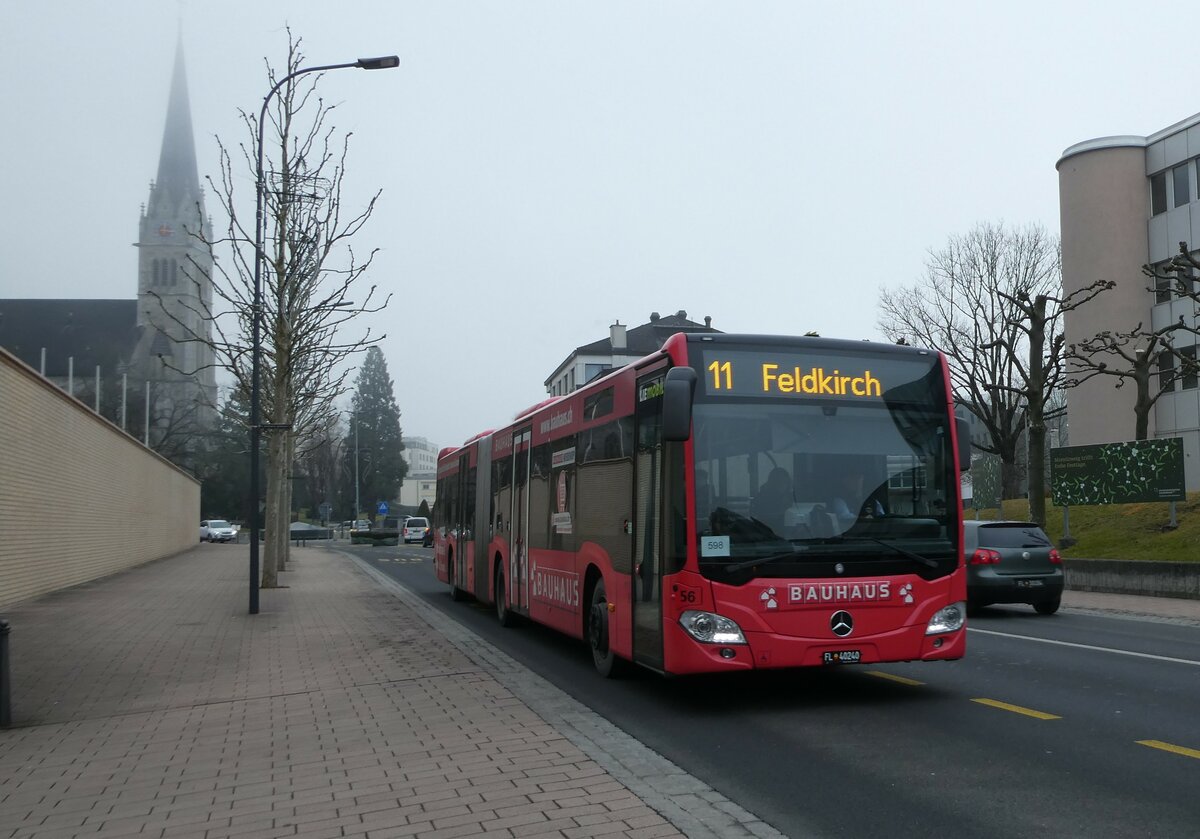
<point x="93" y="332"/>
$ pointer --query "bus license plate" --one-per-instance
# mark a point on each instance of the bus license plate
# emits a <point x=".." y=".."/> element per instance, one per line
<point x="841" y="657"/>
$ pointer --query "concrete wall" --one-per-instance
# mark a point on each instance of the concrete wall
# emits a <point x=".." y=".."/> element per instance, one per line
<point x="79" y="498"/>
<point x="1117" y="576"/>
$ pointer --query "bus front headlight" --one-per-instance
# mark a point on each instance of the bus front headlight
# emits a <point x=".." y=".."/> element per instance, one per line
<point x="948" y="619"/>
<point x="709" y="628"/>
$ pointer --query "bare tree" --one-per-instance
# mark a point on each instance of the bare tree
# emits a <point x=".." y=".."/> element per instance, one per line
<point x="310" y="280"/>
<point x="1181" y="275"/>
<point x="1129" y="357"/>
<point x="969" y="306"/>
<point x="1042" y="373"/>
<point x="1133" y="355"/>
<point x="320" y="461"/>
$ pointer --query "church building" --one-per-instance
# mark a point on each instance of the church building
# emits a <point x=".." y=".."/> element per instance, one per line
<point x="143" y="350"/>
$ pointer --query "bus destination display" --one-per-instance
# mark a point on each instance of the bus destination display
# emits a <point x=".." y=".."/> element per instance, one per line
<point x="792" y="375"/>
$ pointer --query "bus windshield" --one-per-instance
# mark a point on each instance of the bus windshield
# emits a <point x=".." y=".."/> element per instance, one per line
<point x="782" y="483"/>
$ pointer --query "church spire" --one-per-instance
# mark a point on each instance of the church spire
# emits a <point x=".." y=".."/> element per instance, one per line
<point x="177" y="179"/>
<point x="175" y="268"/>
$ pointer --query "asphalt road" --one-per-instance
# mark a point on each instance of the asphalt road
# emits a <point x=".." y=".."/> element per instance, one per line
<point x="1076" y="725"/>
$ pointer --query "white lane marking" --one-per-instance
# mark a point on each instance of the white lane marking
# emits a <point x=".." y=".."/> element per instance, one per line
<point x="1087" y="647"/>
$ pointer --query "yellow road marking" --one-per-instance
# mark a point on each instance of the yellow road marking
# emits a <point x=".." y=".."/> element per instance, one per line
<point x="1167" y="747"/>
<point x="901" y="679"/>
<point x="1017" y="709"/>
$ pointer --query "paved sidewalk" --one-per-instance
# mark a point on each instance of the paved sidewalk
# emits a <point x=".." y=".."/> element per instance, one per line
<point x="150" y="703"/>
<point x="1169" y="609"/>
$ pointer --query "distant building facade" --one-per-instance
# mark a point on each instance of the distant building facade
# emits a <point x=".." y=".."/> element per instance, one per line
<point x="420" y="484"/>
<point x="1127" y="201"/>
<point x="420" y="455"/>
<point x="147" y="343"/>
<point x="622" y="346"/>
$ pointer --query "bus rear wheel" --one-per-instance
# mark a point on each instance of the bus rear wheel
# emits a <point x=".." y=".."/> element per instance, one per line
<point x="503" y="613"/>
<point x="456" y="593"/>
<point x="606" y="661"/>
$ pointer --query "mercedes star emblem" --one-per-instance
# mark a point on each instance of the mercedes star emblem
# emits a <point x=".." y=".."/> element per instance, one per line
<point x="842" y="624"/>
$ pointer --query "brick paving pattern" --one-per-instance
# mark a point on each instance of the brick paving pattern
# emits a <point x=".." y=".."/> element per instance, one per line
<point x="150" y="704"/>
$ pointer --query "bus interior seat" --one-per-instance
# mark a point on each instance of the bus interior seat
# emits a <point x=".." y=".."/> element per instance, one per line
<point x="820" y="522"/>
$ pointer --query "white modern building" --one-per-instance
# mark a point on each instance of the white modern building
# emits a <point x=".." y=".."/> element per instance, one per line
<point x="420" y="455"/>
<point x="421" y="482"/>
<point x="1127" y="201"/>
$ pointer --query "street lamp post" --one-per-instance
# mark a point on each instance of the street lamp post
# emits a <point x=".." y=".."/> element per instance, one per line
<point x="380" y="63"/>
<point x="357" y="505"/>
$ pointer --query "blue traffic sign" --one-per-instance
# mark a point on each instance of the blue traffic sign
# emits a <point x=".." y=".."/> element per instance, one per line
<point x="382" y="508"/>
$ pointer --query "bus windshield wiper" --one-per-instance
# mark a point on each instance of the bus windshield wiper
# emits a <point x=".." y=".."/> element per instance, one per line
<point x="915" y="557"/>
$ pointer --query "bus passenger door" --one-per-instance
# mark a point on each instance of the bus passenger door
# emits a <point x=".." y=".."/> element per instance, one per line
<point x="462" y="527"/>
<point x="518" y="546"/>
<point x="647" y="532"/>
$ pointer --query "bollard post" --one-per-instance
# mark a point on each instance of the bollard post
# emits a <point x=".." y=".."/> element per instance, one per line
<point x="5" y="693"/>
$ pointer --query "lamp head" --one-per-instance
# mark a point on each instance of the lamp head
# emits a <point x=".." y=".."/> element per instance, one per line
<point x="383" y="62"/>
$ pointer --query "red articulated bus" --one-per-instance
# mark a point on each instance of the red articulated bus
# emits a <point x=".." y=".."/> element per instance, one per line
<point x="728" y="503"/>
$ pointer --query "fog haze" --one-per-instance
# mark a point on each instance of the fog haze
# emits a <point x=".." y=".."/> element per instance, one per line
<point x="548" y="168"/>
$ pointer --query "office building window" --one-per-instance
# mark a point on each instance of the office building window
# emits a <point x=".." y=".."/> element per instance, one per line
<point x="1158" y="193"/>
<point x="1166" y="371"/>
<point x="1187" y="368"/>
<point x="591" y="371"/>
<point x="1162" y="283"/>
<point x="1182" y="192"/>
<point x="1186" y="282"/>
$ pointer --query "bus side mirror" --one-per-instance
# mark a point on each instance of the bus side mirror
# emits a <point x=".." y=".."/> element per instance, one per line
<point x="963" y="432"/>
<point x="678" y="392"/>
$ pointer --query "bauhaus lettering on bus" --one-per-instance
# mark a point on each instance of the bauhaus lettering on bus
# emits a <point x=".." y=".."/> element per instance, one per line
<point x="741" y="502"/>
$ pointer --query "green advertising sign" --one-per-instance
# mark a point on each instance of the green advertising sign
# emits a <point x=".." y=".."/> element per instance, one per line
<point x="984" y="481"/>
<point x="1117" y="473"/>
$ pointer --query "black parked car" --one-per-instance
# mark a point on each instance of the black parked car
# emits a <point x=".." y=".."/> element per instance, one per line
<point x="428" y="540"/>
<point x="1012" y="562"/>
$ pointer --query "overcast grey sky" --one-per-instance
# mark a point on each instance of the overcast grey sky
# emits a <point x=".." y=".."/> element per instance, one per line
<point x="550" y="167"/>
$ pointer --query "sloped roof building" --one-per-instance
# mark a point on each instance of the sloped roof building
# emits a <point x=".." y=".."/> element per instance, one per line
<point x="622" y="346"/>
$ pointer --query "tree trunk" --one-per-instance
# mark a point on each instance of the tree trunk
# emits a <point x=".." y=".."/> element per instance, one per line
<point x="1141" y="425"/>
<point x="278" y="501"/>
<point x="270" y="569"/>
<point x="1142" y="403"/>
<point x="289" y="454"/>
<point x="1010" y="475"/>
<point x="1037" y="472"/>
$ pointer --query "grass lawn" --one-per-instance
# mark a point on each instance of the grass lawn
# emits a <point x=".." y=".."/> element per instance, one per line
<point x="1122" y="531"/>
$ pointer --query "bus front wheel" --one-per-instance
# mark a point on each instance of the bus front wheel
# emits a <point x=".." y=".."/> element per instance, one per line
<point x="503" y="613"/>
<point x="607" y="663"/>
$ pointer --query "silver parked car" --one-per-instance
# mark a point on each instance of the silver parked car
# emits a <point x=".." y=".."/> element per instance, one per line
<point x="217" y="530"/>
